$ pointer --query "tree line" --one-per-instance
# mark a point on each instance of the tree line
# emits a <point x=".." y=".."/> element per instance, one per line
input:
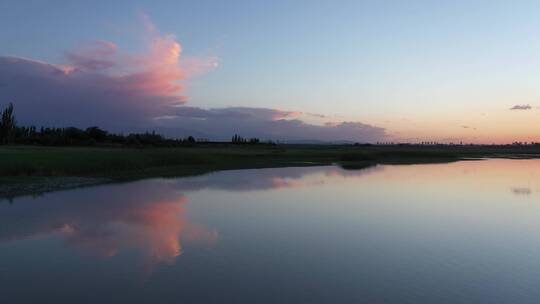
<point x="237" y="139"/>
<point x="11" y="133"/>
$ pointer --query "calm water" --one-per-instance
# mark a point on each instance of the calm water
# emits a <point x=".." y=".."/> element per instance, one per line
<point x="466" y="232"/>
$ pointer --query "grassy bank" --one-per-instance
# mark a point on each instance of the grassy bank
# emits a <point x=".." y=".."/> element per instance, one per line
<point x="31" y="169"/>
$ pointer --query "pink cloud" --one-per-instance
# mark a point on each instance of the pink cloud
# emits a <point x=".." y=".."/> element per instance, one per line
<point x="101" y="84"/>
<point x="279" y="114"/>
<point x="157" y="72"/>
<point x="194" y="66"/>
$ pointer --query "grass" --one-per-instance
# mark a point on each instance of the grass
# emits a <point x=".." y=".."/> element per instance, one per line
<point x="24" y="168"/>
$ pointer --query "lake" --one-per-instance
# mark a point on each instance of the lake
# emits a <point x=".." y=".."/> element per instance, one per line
<point x="463" y="232"/>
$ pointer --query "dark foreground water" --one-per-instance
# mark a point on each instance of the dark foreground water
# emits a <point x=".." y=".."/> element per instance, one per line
<point x="466" y="232"/>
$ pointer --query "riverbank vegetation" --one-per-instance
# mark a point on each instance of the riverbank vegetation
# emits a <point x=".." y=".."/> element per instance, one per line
<point x="13" y="134"/>
<point x="24" y="167"/>
<point x="36" y="160"/>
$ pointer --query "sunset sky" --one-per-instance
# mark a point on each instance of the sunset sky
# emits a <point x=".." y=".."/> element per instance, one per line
<point x="369" y="71"/>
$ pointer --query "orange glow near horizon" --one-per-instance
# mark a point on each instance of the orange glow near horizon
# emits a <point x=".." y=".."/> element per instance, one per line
<point x="502" y="127"/>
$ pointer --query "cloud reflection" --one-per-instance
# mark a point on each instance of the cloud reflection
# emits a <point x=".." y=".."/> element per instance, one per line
<point x="148" y="217"/>
<point x="108" y="221"/>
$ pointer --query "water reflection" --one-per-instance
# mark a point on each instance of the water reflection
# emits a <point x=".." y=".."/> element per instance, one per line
<point x="267" y="179"/>
<point x="439" y="233"/>
<point x="148" y="216"/>
<point x="106" y="221"/>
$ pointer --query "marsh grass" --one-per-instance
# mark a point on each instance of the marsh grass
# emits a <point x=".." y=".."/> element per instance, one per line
<point x="25" y="166"/>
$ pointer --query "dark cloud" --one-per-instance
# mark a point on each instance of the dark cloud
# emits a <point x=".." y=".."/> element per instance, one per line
<point x="95" y="57"/>
<point x="57" y="95"/>
<point x="48" y="94"/>
<point x="124" y="92"/>
<point x="265" y="123"/>
<point x="521" y="190"/>
<point x="521" y="107"/>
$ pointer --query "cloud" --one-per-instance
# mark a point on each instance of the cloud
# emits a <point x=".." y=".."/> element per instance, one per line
<point x="101" y="84"/>
<point x="236" y="113"/>
<point x="316" y="115"/>
<point x="521" y="190"/>
<point x="221" y="123"/>
<point x="194" y="66"/>
<point x="61" y="95"/>
<point x="48" y="94"/>
<point x="95" y="57"/>
<point x="521" y="107"/>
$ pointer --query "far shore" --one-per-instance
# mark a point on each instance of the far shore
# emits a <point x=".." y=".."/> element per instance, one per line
<point x="32" y="170"/>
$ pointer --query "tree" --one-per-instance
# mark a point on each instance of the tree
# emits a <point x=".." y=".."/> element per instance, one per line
<point x="237" y="139"/>
<point x="7" y="125"/>
<point x="96" y="133"/>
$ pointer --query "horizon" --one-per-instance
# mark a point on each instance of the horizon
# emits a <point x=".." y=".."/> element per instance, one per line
<point x="58" y="131"/>
<point x="355" y="71"/>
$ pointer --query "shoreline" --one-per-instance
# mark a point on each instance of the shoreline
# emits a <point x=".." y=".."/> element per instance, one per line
<point x="30" y="170"/>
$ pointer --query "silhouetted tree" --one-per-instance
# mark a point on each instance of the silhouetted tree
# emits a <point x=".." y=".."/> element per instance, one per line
<point x="72" y="136"/>
<point x="237" y="139"/>
<point x="7" y="125"/>
<point x="96" y="134"/>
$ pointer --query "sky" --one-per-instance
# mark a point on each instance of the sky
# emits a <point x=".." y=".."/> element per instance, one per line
<point x="368" y="71"/>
